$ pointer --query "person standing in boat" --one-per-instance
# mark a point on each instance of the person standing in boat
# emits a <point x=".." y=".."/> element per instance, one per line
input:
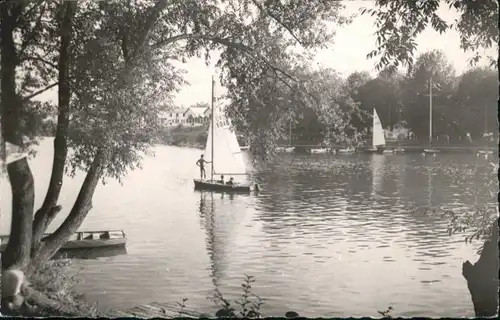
<point x="201" y="163"/>
<point x="221" y="179"/>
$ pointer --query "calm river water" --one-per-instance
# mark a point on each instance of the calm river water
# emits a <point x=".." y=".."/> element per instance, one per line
<point x="328" y="236"/>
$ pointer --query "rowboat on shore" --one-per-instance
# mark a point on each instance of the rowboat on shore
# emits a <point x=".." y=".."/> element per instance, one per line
<point x="84" y="240"/>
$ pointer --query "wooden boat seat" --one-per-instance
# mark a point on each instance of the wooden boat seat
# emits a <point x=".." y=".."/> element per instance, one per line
<point x="104" y="236"/>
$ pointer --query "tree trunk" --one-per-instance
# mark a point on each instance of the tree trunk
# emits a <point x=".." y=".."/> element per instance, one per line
<point x="18" y="249"/>
<point x="49" y="209"/>
<point x="75" y="218"/>
<point x="482" y="278"/>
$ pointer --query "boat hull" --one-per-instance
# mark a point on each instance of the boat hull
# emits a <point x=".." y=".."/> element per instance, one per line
<point x="285" y="149"/>
<point x="379" y="150"/>
<point x="318" y="151"/>
<point x="346" y="151"/>
<point x="485" y="152"/>
<point x="215" y="186"/>
<point x="431" y="151"/>
<point x="85" y="240"/>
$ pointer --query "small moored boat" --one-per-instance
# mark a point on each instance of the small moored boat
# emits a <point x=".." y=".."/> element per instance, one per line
<point x="218" y="186"/>
<point x="285" y="149"/>
<point x="86" y="240"/>
<point x="347" y="150"/>
<point x="318" y="150"/>
<point x="431" y="151"/>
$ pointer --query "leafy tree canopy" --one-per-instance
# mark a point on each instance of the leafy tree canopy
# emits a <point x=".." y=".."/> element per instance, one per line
<point x="400" y="22"/>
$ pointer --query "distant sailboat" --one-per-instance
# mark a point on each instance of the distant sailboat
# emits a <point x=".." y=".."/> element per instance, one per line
<point x="485" y="152"/>
<point x="430" y="150"/>
<point x="378" y="136"/>
<point x="288" y="149"/>
<point x="398" y="148"/>
<point x="223" y="151"/>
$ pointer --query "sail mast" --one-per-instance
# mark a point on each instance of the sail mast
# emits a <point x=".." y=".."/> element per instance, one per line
<point x="290" y="132"/>
<point x="213" y="124"/>
<point x="430" y="112"/>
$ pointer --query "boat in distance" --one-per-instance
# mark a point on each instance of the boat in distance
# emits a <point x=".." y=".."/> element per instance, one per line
<point x="84" y="240"/>
<point x="219" y="186"/>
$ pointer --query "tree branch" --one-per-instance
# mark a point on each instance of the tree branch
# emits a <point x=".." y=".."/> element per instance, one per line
<point x="49" y="207"/>
<point x="50" y="64"/>
<point x="151" y="20"/>
<point x="30" y="36"/>
<point x="278" y="20"/>
<point x="35" y="5"/>
<point x="34" y="94"/>
<point x="80" y="209"/>
<point x="222" y="41"/>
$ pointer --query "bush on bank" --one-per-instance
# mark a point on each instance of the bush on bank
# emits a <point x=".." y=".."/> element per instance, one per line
<point x="56" y="281"/>
<point x="183" y="136"/>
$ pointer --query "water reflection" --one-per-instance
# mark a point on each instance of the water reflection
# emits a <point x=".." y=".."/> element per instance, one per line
<point x="329" y="236"/>
<point x="378" y="168"/>
<point x="220" y="227"/>
<point x="207" y="220"/>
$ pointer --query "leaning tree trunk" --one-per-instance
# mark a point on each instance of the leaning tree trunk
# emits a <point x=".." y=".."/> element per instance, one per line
<point x="49" y="209"/>
<point x="80" y="209"/>
<point x="18" y="249"/>
<point x="482" y="278"/>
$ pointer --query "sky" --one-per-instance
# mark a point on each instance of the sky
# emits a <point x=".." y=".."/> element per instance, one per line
<point x="347" y="54"/>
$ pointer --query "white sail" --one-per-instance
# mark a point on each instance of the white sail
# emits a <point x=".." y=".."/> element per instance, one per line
<point x="228" y="159"/>
<point x="378" y="138"/>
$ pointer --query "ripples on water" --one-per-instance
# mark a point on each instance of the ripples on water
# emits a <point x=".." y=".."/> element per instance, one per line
<point x="328" y="236"/>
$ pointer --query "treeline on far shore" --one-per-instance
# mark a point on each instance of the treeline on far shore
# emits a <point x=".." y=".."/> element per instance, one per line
<point x="183" y="136"/>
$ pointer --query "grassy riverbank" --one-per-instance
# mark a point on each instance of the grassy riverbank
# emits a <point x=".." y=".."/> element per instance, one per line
<point x="183" y="136"/>
<point x="55" y="282"/>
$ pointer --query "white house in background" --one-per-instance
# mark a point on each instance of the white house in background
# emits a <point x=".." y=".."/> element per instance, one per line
<point x="192" y="116"/>
<point x="197" y="116"/>
<point x="173" y="117"/>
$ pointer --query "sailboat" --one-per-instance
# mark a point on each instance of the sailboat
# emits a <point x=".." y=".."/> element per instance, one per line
<point x="398" y="148"/>
<point x="378" y="138"/>
<point x="223" y="152"/>
<point x="485" y="152"/>
<point x="288" y="149"/>
<point x="430" y="150"/>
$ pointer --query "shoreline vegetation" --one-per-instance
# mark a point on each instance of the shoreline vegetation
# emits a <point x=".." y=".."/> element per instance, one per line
<point x="113" y="66"/>
<point x="183" y="136"/>
<point x="196" y="137"/>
